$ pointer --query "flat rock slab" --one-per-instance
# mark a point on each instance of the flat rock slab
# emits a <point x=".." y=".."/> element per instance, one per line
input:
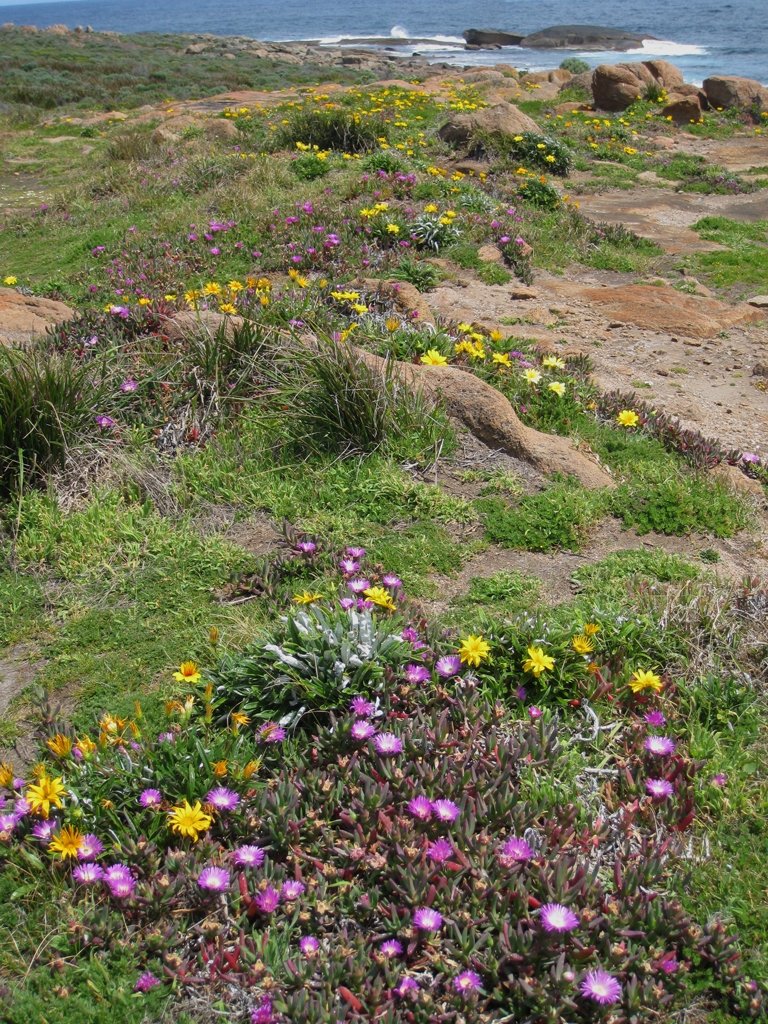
<point x="738" y="154"/>
<point x="663" y="309"/>
<point x="666" y="217"/>
<point x="24" y="316"/>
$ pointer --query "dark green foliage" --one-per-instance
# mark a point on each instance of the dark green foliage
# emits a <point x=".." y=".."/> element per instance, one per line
<point x="558" y="517"/>
<point x="47" y="404"/>
<point x="419" y="273"/>
<point x="340" y="130"/>
<point x="664" y="500"/>
<point x="575" y="65"/>
<point x="328" y="399"/>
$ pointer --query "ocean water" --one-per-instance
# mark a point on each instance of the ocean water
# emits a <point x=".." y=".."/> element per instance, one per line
<point x="702" y="37"/>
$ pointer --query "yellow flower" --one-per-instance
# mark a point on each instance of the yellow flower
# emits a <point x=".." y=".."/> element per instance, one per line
<point x="189" y="820"/>
<point x="144" y="301"/>
<point x="433" y="358"/>
<point x="227" y="307"/>
<point x="532" y="376"/>
<point x="393" y="229"/>
<point x="188" y="672"/>
<point x="380" y="597"/>
<point x="392" y="324"/>
<point x="212" y="288"/>
<point x="553" y="362"/>
<point x="496" y="335"/>
<point x="170" y="297"/>
<point x="10" y="280"/>
<point x="359" y="307"/>
<point x="645" y="679"/>
<point x="591" y="628"/>
<point x="6" y="775"/>
<point x="582" y="645"/>
<point x="538" y="662"/>
<point x="501" y="359"/>
<point x="44" y="794"/>
<point x="60" y="745"/>
<point x="474" y="650"/>
<point x="306" y="597"/>
<point x="550" y="159"/>
<point x="518" y="138"/>
<point x="430" y="208"/>
<point x="251" y="768"/>
<point x="557" y="387"/>
<point x="67" y="842"/>
<point x="219" y="768"/>
<point x="627" y="418"/>
<point x="240" y="718"/>
<point x="235" y="286"/>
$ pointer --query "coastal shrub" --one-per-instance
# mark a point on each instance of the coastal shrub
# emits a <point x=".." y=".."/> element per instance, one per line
<point x="558" y="517"/>
<point x="575" y="65"/>
<point x="340" y="130"/>
<point x="419" y="273"/>
<point x="541" y="152"/>
<point x="47" y="404"/>
<point x="661" y="499"/>
<point x="538" y="193"/>
<point x="433" y="231"/>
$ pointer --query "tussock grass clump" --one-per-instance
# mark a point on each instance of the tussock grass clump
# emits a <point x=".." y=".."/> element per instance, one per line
<point x="329" y="399"/>
<point x="47" y="404"/>
<point x="340" y="130"/>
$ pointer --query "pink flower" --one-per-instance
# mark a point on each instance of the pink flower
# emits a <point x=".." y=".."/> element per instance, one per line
<point x="249" y="857"/>
<point x="362" y="730"/>
<point x="222" y="799"/>
<point x="150" y="798"/>
<point x="515" y="850"/>
<point x="467" y="982"/>
<point x="268" y="900"/>
<point x="440" y="851"/>
<point x="290" y="891"/>
<point x="446" y="810"/>
<point x="448" y="666"/>
<point x="655" y="718"/>
<point x="427" y="920"/>
<point x="309" y="945"/>
<point x="391" y="948"/>
<point x="214" y="879"/>
<point x="362" y="708"/>
<point x="601" y="987"/>
<point x="420" y="807"/>
<point x="120" y="881"/>
<point x="145" y="982"/>
<point x="659" y="789"/>
<point x="557" y="918"/>
<point x="387" y="744"/>
<point x="660" y="746"/>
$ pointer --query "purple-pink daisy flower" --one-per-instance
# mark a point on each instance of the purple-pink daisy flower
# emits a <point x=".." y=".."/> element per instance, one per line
<point x="120" y="881"/>
<point x="90" y="847"/>
<point x="356" y="552"/>
<point x="440" y="851"/>
<point x="291" y="890"/>
<point x="601" y="987"/>
<point x="427" y="920"/>
<point x="660" y="789"/>
<point x="222" y="799"/>
<point x="467" y="982"/>
<point x="271" y="732"/>
<point x="249" y="857"/>
<point x="362" y="708"/>
<point x="214" y="879"/>
<point x="150" y="798"/>
<point x="145" y="982"/>
<point x="362" y="730"/>
<point x="391" y="948"/>
<point x="416" y="674"/>
<point x="557" y="918"/>
<point x="661" y="746"/>
<point x="515" y="850"/>
<point x="446" y="810"/>
<point x="309" y="945"/>
<point x="387" y="744"/>
<point x="655" y="718"/>
<point x="420" y="807"/>
<point x="448" y="666"/>
<point x="88" y="873"/>
<point x="267" y="900"/>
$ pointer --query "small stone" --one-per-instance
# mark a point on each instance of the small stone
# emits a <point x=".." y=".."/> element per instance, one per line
<point x="761" y="301"/>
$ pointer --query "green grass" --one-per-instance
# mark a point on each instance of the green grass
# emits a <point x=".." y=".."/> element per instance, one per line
<point x="102" y="71"/>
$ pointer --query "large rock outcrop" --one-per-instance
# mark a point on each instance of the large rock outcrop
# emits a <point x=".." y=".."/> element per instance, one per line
<point x="22" y="317"/>
<point x="504" y="120"/>
<point x="732" y="91"/>
<point x="583" y="37"/>
<point x="492" y="37"/>
<point x="617" y="86"/>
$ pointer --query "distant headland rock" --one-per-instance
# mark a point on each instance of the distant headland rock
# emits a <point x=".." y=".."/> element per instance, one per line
<point x="558" y="37"/>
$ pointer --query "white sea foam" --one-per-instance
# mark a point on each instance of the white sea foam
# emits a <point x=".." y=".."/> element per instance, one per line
<point x="668" y="48"/>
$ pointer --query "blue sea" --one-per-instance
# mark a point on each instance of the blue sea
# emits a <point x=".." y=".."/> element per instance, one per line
<point x="701" y="36"/>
